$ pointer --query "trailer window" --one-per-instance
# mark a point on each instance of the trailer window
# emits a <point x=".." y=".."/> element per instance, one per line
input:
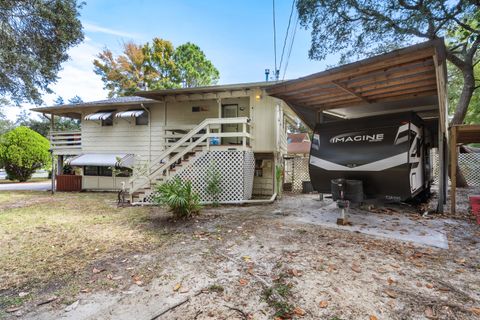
<point x="316" y="141"/>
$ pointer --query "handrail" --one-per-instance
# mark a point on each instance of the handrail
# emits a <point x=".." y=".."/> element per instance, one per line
<point x="159" y="165"/>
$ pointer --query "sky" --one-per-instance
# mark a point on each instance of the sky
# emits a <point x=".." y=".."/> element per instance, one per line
<point x="236" y="35"/>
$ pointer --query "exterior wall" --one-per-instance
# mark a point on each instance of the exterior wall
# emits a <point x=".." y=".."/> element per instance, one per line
<point x="102" y="183"/>
<point x="264" y="185"/>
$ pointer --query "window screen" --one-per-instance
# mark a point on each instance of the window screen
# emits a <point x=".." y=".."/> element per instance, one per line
<point x="105" y="171"/>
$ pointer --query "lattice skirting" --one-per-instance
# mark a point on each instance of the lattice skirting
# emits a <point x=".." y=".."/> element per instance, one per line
<point x="296" y="171"/>
<point x="469" y="163"/>
<point x="236" y="169"/>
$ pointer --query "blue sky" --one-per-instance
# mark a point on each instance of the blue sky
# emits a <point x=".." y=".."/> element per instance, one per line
<point x="237" y="36"/>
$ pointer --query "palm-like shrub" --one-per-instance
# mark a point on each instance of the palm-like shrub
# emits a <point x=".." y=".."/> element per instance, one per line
<point x="179" y="197"/>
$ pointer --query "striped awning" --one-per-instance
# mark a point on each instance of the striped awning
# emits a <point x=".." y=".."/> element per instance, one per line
<point x="103" y="160"/>
<point x="129" y="114"/>
<point x="98" y="116"/>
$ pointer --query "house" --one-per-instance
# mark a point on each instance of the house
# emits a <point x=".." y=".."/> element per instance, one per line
<point x="298" y="144"/>
<point x="296" y="162"/>
<point x="139" y="141"/>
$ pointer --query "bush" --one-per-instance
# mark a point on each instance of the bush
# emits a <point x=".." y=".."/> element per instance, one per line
<point x="22" y="151"/>
<point x="179" y="197"/>
<point x="213" y="184"/>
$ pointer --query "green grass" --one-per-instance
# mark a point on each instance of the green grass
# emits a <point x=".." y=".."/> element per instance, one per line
<point x="47" y="238"/>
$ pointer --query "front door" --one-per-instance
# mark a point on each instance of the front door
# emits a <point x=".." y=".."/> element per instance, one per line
<point x="230" y="111"/>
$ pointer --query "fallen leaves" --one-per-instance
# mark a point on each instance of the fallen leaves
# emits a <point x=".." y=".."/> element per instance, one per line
<point x="429" y="313"/>
<point x="392" y="294"/>
<point x="429" y="285"/>
<point x="95" y="270"/>
<point x="177" y="287"/>
<point x="372" y="317"/>
<point x="356" y="268"/>
<point x="243" y="282"/>
<point x="294" y="272"/>
<point x="323" y="304"/>
<point x="390" y="281"/>
<point x="299" y="311"/>
<point x="475" y="310"/>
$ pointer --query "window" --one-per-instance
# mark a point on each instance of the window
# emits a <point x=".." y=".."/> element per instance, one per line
<point x="195" y="109"/>
<point x="107" y="122"/>
<point x="105" y="171"/>
<point x="90" y="171"/>
<point x="142" y="120"/>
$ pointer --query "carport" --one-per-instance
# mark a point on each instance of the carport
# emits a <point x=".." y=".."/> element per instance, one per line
<point x="408" y="79"/>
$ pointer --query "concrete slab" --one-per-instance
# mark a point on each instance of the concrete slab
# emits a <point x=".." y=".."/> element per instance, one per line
<point x="398" y="226"/>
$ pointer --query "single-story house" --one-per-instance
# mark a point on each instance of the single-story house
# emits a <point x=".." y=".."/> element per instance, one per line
<point x="139" y="141"/>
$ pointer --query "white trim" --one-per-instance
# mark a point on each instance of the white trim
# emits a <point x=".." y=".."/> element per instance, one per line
<point x="379" y="165"/>
<point x="129" y="114"/>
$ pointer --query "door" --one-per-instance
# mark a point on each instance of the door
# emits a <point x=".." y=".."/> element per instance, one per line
<point x="230" y="111"/>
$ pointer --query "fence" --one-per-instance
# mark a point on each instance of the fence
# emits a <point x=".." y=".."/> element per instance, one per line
<point x="469" y="164"/>
<point x="296" y="171"/>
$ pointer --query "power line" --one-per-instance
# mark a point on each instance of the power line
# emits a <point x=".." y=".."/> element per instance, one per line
<point x="275" y="40"/>
<point x="290" y="48"/>
<point x="286" y="35"/>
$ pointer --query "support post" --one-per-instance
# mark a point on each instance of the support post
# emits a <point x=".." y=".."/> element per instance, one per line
<point x="52" y="125"/>
<point x="441" y="169"/>
<point x="208" y="139"/>
<point x="59" y="164"/>
<point x="453" y="168"/>
<point x="244" y="137"/>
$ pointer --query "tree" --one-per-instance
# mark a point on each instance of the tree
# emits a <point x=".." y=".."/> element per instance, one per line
<point x="75" y="100"/>
<point x="22" y="151"/>
<point x="34" y="39"/>
<point x="5" y="124"/>
<point x="193" y="66"/>
<point x="363" y="27"/>
<point x="156" y="65"/>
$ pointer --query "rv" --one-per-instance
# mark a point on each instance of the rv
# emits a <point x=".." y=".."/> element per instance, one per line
<point x="390" y="154"/>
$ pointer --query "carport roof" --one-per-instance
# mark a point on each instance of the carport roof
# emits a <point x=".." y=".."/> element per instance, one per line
<point x="411" y="78"/>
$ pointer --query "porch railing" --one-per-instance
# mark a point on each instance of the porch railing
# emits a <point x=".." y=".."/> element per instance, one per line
<point x="65" y="140"/>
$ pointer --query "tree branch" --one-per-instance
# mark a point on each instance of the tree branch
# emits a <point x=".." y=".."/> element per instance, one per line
<point x="459" y="63"/>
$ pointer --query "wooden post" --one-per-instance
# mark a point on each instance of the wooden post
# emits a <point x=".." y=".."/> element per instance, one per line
<point x="52" y="125"/>
<point x="208" y="139"/>
<point x="441" y="168"/>
<point x="244" y="138"/>
<point x="453" y="168"/>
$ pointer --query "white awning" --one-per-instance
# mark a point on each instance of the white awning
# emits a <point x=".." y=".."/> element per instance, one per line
<point x="129" y="114"/>
<point x="104" y="160"/>
<point x="98" y="116"/>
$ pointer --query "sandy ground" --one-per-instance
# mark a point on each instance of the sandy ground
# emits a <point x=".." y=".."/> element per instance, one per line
<point x="222" y="264"/>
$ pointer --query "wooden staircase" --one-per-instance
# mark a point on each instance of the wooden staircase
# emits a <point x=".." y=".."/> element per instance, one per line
<point x="181" y="154"/>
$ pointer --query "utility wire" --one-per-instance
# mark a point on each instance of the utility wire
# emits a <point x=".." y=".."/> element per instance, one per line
<point x="286" y="35"/>
<point x="274" y="40"/>
<point x="290" y="48"/>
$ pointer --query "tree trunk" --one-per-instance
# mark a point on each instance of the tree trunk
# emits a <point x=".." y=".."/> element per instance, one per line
<point x="461" y="110"/>
<point x="465" y="96"/>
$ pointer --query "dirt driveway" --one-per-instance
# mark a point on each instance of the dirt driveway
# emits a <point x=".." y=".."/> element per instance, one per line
<point x="262" y="262"/>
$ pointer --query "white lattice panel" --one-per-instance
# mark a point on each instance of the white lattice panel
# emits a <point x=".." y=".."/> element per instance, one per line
<point x="236" y="169"/>
<point x="469" y="163"/>
<point x="300" y="173"/>
<point x="248" y="174"/>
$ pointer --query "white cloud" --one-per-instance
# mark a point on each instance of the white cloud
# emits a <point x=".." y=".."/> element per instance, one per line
<point x="90" y="27"/>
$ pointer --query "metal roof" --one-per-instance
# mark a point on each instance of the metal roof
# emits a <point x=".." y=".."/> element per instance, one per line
<point x="160" y="94"/>
<point x="118" y="101"/>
